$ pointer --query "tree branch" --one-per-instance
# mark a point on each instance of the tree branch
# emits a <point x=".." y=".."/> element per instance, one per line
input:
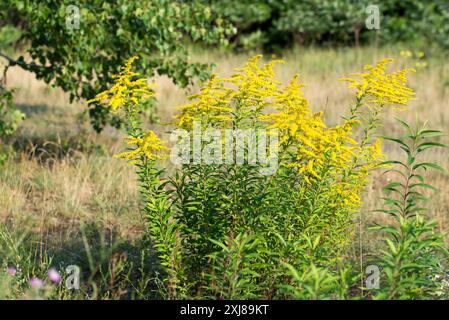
<point x="23" y="64"/>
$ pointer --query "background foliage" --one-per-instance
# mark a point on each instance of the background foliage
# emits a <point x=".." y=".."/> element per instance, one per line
<point x="273" y="24"/>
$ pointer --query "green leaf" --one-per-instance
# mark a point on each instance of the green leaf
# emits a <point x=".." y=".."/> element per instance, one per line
<point x="393" y="162"/>
<point x="429" y="144"/>
<point x="410" y="159"/>
<point x="431" y="133"/>
<point x="404" y="124"/>
<point x="426" y="165"/>
<point x="424" y="185"/>
<point x="417" y="176"/>
<point x="402" y="143"/>
<point x="392" y="185"/>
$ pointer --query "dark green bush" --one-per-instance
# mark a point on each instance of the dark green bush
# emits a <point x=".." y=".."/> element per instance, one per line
<point x="275" y="23"/>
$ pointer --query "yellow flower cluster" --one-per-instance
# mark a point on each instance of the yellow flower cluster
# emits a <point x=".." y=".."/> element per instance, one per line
<point x="355" y="179"/>
<point x="149" y="145"/>
<point x="380" y="88"/>
<point x="128" y="90"/>
<point x="211" y="106"/>
<point x="315" y="149"/>
<point x="247" y="96"/>
<point x="421" y="64"/>
<point x="233" y="100"/>
<point x="374" y="89"/>
<point x="305" y="134"/>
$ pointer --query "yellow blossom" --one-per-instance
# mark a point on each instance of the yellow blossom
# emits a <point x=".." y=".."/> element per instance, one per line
<point x="240" y="97"/>
<point x="314" y="145"/>
<point x="380" y="88"/>
<point x="128" y="88"/>
<point x="253" y="97"/>
<point x="149" y="146"/>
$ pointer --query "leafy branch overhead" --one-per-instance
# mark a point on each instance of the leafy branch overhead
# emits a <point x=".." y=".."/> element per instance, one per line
<point x="82" y="60"/>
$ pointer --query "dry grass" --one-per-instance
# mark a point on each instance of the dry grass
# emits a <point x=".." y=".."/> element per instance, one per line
<point x="65" y="175"/>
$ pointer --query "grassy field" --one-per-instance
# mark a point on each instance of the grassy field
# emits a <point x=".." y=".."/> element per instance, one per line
<point x="63" y="182"/>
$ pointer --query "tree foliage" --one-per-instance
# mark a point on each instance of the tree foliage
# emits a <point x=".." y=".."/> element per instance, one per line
<point x="81" y="58"/>
<point x="273" y="24"/>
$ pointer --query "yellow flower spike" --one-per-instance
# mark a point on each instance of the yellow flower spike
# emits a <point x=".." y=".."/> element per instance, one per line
<point x="243" y="95"/>
<point x="316" y="145"/>
<point x="381" y="88"/>
<point x="126" y="90"/>
<point x="149" y="145"/>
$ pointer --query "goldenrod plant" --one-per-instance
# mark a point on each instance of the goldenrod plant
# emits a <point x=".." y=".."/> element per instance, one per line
<point x="414" y="252"/>
<point x="233" y="230"/>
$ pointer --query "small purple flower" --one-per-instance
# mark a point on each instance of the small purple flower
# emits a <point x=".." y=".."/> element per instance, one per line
<point x="11" y="271"/>
<point x="36" y="283"/>
<point x="54" y="275"/>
